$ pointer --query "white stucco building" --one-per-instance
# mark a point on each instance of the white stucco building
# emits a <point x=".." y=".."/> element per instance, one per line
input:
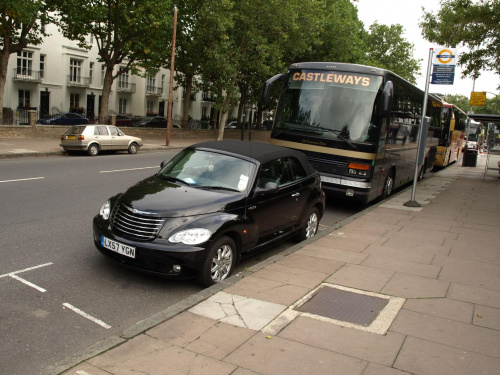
<point x="58" y="76"/>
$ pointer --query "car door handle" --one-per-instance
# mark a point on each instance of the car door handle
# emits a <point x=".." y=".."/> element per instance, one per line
<point x="295" y="194"/>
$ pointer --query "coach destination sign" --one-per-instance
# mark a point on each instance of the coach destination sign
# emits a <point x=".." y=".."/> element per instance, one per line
<point x="443" y="72"/>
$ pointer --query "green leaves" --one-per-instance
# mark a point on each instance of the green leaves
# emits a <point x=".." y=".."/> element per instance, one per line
<point x="471" y="24"/>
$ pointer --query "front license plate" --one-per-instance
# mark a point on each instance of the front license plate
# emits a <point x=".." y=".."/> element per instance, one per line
<point x="117" y="247"/>
<point x="70" y="137"/>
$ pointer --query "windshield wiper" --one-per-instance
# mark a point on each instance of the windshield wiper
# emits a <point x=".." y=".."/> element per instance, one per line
<point x="217" y="188"/>
<point x="339" y="134"/>
<point x="173" y="179"/>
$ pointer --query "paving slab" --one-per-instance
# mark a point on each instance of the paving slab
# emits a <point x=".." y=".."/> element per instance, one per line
<point x="486" y="316"/>
<point x="448" y="332"/>
<point x="442" y="307"/>
<point x="428" y="358"/>
<point x="310" y="263"/>
<point x="267" y="290"/>
<point x="361" y="277"/>
<point x="411" y="255"/>
<point x="220" y="340"/>
<point x="381" y="349"/>
<point x="292" y="275"/>
<point x="376" y="369"/>
<point x="469" y="272"/>
<point x="474" y="294"/>
<point x="279" y="356"/>
<point x="399" y="265"/>
<point x="182" y="329"/>
<point x="333" y="254"/>
<point x="413" y="286"/>
<point x="240" y="311"/>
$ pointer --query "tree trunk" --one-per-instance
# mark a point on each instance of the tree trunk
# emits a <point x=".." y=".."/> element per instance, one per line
<point x="220" y="134"/>
<point x="186" y="101"/>
<point x="259" y="116"/>
<point x="4" y="62"/>
<point x="106" y="90"/>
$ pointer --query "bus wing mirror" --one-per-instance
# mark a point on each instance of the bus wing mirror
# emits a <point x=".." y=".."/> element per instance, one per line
<point x="387" y="98"/>
<point x="267" y="87"/>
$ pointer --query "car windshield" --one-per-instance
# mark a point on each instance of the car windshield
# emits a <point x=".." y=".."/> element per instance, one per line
<point x="338" y="106"/>
<point x="209" y="170"/>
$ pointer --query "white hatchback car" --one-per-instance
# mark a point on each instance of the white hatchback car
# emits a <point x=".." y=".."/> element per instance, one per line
<point x="96" y="138"/>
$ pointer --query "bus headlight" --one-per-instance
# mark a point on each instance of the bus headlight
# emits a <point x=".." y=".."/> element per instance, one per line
<point x="358" y="169"/>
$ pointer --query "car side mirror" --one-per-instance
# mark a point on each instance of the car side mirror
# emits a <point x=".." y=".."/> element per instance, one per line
<point x="267" y="86"/>
<point x="269" y="188"/>
<point x="163" y="163"/>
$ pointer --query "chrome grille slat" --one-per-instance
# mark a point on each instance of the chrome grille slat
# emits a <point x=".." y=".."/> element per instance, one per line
<point x="135" y="225"/>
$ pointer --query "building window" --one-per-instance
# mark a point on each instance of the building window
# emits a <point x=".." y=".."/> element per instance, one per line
<point x="122" y="106"/>
<point x="24" y="99"/>
<point x="91" y="38"/>
<point x="123" y="79"/>
<point x="25" y="63"/>
<point x="91" y="71"/>
<point x="150" y="84"/>
<point x="75" y="70"/>
<point x="74" y="101"/>
<point x="42" y="65"/>
<point x="150" y="106"/>
<point x="103" y="73"/>
<point x="162" y="82"/>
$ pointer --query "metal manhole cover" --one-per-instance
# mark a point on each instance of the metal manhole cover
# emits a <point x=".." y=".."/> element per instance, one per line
<point x="344" y="306"/>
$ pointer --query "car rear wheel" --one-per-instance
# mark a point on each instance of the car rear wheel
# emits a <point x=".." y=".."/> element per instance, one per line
<point x="219" y="262"/>
<point x="132" y="149"/>
<point x="93" y="150"/>
<point x="311" y="226"/>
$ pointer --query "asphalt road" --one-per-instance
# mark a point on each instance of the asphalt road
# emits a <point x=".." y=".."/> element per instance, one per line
<point x="58" y="294"/>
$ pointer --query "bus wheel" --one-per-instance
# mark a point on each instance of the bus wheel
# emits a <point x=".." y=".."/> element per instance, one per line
<point x="388" y="185"/>
<point x="423" y="169"/>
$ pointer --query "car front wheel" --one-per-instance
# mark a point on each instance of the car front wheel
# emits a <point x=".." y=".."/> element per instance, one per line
<point x="219" y="262"/>
<point x="132" y="149"/>
<point x="311" y="226"/>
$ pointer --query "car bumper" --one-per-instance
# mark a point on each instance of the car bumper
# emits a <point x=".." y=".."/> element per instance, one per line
<point x="74" y="147"/>
<point x="156" y="257"/>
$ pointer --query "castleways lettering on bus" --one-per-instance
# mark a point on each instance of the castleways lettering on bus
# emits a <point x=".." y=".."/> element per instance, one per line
<point x="332" y="78"/>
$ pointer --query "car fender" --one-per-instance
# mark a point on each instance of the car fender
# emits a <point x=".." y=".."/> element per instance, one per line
<point x="92" y="143"/>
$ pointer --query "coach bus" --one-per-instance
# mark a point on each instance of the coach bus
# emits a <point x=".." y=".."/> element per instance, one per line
<point x="452" y="135"/>
<point x="358" y="126"/>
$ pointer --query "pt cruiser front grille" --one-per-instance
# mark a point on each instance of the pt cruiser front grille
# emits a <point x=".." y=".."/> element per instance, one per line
<point x="135" y="225"/>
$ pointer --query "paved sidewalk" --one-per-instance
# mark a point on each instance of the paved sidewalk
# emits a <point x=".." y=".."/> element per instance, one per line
<point x="432" y="272"/>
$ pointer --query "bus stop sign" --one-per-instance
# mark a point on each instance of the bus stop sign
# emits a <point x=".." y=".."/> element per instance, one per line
<point x="443" y="72"/>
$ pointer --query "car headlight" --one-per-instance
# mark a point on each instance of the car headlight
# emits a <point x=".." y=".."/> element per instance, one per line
<point x="105" y="210"/>
<point x="193" y="236"/>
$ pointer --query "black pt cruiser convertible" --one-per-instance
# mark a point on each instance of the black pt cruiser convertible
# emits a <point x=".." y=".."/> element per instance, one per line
<point x="211" y="205"/>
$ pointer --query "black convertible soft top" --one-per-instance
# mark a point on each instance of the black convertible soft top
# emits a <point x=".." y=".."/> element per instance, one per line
<point x="262" y="152"/>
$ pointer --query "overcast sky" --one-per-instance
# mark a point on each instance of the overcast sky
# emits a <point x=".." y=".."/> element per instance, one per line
<point x="409" y="13"/>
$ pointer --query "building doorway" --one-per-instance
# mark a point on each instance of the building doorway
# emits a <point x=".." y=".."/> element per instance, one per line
<point x="44" y="104"/>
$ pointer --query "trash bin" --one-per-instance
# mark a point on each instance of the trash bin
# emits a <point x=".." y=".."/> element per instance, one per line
<point x="470" y="158"/>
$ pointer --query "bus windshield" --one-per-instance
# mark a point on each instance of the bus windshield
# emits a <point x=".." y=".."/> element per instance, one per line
<point x="332" y="105"/>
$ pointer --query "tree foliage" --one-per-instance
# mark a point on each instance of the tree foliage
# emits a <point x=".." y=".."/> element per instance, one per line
<point x="22" y="23"/>
<point x="474" y="25"/>
<point x="134" y="35"/>
<point x="389" y="50"/>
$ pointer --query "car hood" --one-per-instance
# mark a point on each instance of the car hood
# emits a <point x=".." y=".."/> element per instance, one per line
<point x="167" y="199"/>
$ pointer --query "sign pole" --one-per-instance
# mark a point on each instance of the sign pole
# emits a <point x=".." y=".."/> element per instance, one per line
<point x="413" y="202"/>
